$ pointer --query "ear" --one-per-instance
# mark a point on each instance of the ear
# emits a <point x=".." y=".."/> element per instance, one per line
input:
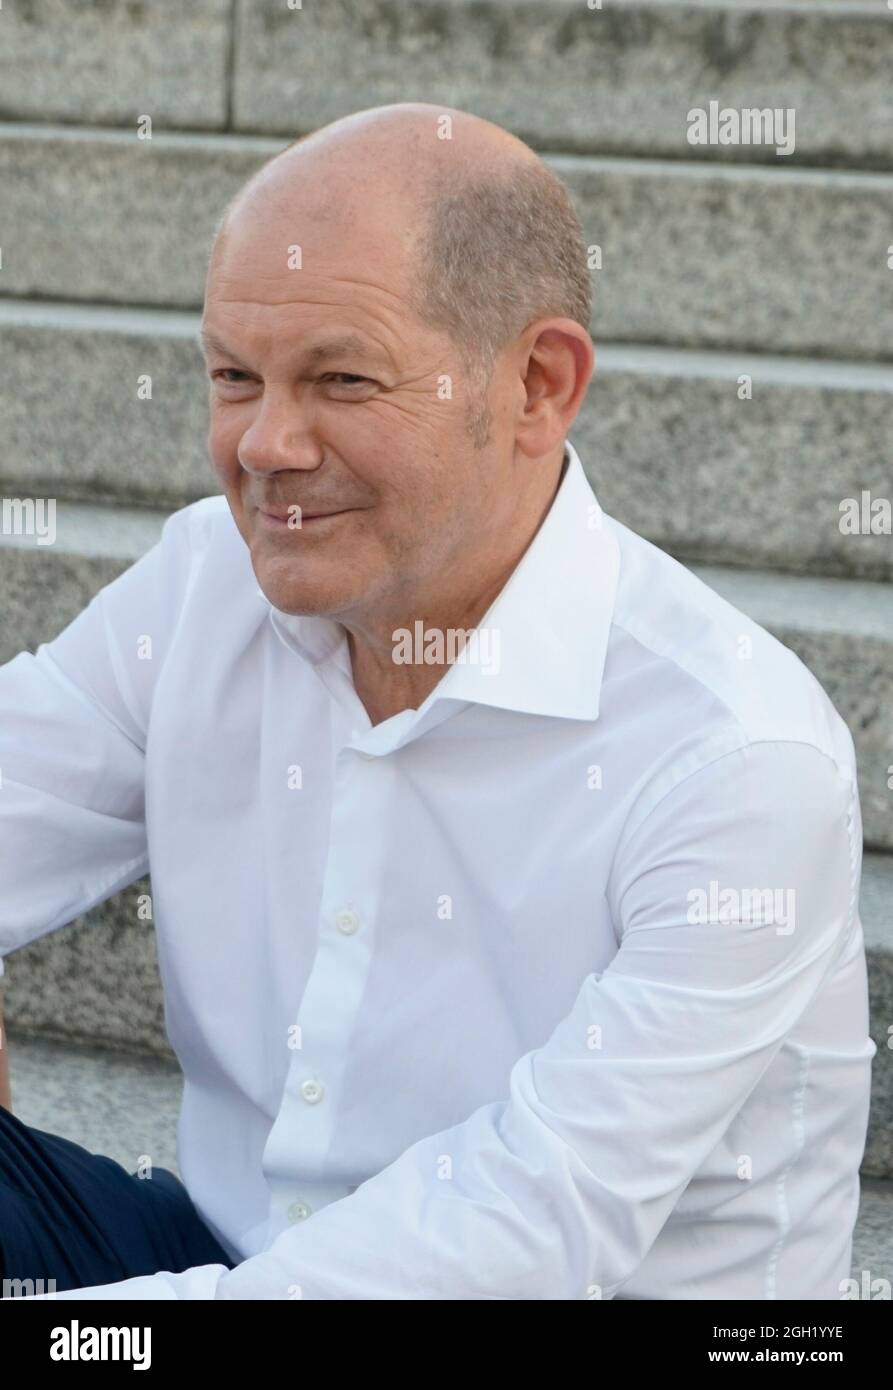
<point x="556" y="361"/>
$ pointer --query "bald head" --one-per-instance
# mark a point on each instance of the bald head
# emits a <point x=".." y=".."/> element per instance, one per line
<point x="488" y="233"/>
<point x="395" y="154"/>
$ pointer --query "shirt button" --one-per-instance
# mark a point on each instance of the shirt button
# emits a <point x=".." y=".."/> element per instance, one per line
<point x="312" y="1091"/>
<point x="298" y="1211"/>
<point x="347" y="922"/>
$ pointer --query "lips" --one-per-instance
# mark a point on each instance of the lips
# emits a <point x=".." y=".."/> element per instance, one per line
<point x="286" y="514"/>
<point x="281" y="518"/>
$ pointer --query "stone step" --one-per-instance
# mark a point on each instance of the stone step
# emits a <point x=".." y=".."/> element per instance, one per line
<point x="873" y="1236"/>
<point x="114" y="1103"/>
<point x="117" y="62"/>
<point x="44" y="586"/>
<point x="876" y="912"/>
<point x="126" y="1108"/>
<point x="674" y="451"/>
<point x="841" y="628"/>
<point x="669" y="446"/>
<point x="693" y="254"/>
<point x="616" y="76"/>
<point x="620" y="78"/>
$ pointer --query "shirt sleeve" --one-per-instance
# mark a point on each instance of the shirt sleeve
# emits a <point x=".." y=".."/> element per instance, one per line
<point x="73" y="720"/>
<point x="559" y="1189"/>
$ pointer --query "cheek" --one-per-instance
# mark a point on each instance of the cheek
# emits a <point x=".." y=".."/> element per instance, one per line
<point x="223" y="444"/>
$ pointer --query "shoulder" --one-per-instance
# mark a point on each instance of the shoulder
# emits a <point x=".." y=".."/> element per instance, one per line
<point x="737" y="681"/>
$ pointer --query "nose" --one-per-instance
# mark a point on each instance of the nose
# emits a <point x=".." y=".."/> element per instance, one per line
<point x="280" y="437"/>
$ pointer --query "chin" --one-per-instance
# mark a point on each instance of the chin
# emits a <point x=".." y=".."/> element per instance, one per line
<point x="303" y="588"/>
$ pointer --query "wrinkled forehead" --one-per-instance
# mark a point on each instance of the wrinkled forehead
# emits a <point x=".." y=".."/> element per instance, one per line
<point x="336" y="300"/>
<point x="328" y="210"/>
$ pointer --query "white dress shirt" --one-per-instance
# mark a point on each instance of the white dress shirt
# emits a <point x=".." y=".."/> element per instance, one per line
<point x="552" y="988"/>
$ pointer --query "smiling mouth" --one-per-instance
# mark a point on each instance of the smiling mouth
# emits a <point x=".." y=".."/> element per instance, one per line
<point x="300" y="522"/>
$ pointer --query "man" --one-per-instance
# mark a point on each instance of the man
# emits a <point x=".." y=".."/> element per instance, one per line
<point x="505" y="877"/>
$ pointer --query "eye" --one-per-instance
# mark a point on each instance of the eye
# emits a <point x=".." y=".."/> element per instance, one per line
<point x="233" y="372"/>
<point x="346" y="379"/>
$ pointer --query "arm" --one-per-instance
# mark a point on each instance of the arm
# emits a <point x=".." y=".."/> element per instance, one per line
<point x="561" y="1187"/>
<point x="73" y="718"/>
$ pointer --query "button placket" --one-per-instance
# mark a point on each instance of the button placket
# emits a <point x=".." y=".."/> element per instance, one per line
<point x="303" y="1130"/>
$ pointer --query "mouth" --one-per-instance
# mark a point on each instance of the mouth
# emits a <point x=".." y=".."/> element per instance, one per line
<point x="299" y="521"/>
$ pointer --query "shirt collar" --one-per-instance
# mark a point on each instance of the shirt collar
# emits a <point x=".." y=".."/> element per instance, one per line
<point x="546" y="631"/>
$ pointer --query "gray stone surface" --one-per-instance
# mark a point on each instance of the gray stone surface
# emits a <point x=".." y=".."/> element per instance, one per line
<point x="668" y="445"/>
<point x="44" y="586"/>
<point x="674" y="453"/>
<point x="95" y="532"/>
<point x="127" y="1107"/>
<point x="71" y="422"/>
<point x="98" y="215"/>
<point x="776" y="260"/>
<point x="780" y="259"/>
<point x="877" y="922"/>
<point x="42" y="590"/>
<point x="93" y="981"/>
<point x="115" y="60"/>
<point x="873" y="1236"/>
<point x="617" y="80"/>
<point x="123" y="1106"/>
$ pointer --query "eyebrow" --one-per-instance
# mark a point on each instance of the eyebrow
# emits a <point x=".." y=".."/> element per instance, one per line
<point x="346" y="344"/>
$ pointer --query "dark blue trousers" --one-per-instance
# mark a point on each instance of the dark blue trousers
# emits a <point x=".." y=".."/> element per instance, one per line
<point x="82" y="1219"/>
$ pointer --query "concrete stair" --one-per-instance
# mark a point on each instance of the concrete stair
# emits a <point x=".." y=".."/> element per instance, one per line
<point x="779" y="258"/>
<point x="721" y="265"/>
<point x="615" y="79"/>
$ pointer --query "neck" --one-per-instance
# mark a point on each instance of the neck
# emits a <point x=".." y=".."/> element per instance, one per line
<point x="385" y="685"/>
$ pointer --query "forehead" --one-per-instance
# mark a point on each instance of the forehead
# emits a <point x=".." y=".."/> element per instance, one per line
<point x="315" y="348"/>
<point x="309" y="277"/>
<point x="280" y="237"/>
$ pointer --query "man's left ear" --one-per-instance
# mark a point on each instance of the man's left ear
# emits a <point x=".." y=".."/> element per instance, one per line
<point x="558" y="358"/>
